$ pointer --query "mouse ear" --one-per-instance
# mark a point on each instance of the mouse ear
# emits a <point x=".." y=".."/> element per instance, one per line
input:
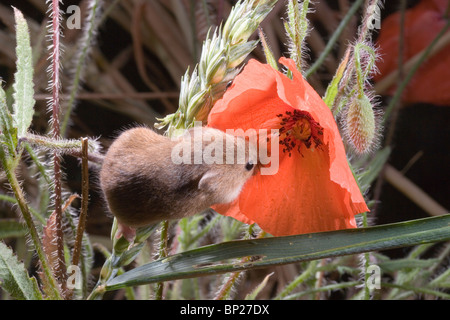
<point x="207" y="181"/>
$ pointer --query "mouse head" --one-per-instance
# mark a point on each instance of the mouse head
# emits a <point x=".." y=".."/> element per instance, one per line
<point x="239" y="159"/>
<point x="227" y="161"/>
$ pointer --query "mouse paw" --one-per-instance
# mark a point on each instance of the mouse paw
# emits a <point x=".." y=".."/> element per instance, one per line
<point x="128" y="233"/>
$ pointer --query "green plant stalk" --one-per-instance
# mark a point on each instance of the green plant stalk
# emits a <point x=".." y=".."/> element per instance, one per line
<point x="331" y="287"/>
<point x="404" y="277"/>
<point x="360" y="75"/>
<point x="123" y="253"/>
<point x="11" y="228"/>
<point x="61" y="145"/>
<point x="15" y="186"/>
<point x="350" y="14"/>
<point x="163" y="251"/>
<point x="84" y="203"/>
<point x="254" y="293"/>
<point x="32" y="211"/>
<point x="38" y="163"/>
<point x="225" y="291"/>
<point x="366" y="258"/>
<point x="297" y="281"/>
<point x="205" y="230"/>
<point x="363" y="35"/>
<point x="437" y="281"/>
<point x="446" y="274"/>
<point x="417" y="290"/>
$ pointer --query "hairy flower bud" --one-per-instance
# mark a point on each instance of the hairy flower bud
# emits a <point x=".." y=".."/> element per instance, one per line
<point x="360" y="124"/>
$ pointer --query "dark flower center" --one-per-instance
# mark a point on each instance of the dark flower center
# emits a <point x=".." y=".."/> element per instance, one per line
<point x="297" y="128"/>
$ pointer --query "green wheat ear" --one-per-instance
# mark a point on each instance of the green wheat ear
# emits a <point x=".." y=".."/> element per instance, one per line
<point x="222" y="53"/>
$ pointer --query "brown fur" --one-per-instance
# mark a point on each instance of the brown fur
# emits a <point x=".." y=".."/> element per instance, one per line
<point x="142" y="185"/>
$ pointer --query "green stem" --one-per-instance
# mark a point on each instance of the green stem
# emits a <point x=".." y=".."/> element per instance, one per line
<point x="366" y="262"/>
<point x="446" y="274"/>
<point x="331" y="43"/>
<point x="417" y="290"/>
<point x="15" y="186"/>
<point x="13" y="200"/>
<point x="299" y="280"/>
<point x="162" y="254"/>
<point x="228" y="285"/>
<point x="84" y="203"/>
<point x="328" y="288"/>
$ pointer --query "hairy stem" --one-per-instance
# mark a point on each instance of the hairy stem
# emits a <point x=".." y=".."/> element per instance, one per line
<point x="162" y="254"/>
<point x="84" y="202"/>
<point x="15" y="186"/>
<point x="55" y="82"/>
<point x="331" y="43"/>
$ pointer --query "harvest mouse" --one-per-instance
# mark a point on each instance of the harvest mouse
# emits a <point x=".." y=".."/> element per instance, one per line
<point x="147" y="177"/>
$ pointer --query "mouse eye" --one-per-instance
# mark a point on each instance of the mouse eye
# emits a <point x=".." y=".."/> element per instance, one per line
<point x="249" y="166"/>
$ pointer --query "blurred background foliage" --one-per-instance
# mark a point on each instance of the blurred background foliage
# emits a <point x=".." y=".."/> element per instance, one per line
<point x="132" y="76"/>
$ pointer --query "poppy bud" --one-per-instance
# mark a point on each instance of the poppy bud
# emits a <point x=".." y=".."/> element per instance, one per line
<point x="360" y="124"/>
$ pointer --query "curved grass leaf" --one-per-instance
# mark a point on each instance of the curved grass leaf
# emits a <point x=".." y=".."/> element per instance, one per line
<point x="374" y="167"/>
<point x="10" y="228"/>
<point x="214" y="259"/>
<point x="23" y="78"/>
<point x="14" y="277"/>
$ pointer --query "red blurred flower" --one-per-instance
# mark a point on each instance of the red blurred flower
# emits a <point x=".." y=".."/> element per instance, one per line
<point x="431" y="83"/>
<point x="314" y="189"/>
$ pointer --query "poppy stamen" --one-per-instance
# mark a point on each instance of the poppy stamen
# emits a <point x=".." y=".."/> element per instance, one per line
<point x="297" y="128"/>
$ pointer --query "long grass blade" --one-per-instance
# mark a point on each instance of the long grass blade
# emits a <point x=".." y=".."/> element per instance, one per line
<point x="283" y="250"/>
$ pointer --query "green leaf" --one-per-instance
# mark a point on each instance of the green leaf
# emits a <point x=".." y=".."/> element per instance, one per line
<point x="395" y="265"/>
<point x="6" y="124"/>
<point x="283" y="250"/>
<point x="11" y="228"/>
<point x="252" y="295"/>
<point x="374" y="167"/>
<point x="267" y="52"/>
<point x="14" y="277"/>
<point x="23" y="86"/>
<point x="333" y="87"/>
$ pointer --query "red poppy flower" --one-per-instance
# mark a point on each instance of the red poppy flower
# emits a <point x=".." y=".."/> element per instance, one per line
<point x="314" y="189"/>
<point x="431" y="82"/>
